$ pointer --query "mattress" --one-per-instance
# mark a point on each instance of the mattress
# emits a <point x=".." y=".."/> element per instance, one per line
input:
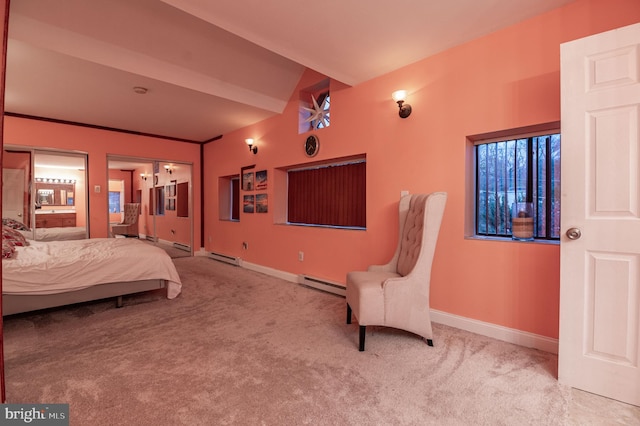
<point x="57" y="234"/>
<point x="62" y="266"/>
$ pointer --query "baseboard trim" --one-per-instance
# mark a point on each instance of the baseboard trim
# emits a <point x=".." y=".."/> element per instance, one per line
<point x="287" y="276"/>
<point x="510" y="335"/>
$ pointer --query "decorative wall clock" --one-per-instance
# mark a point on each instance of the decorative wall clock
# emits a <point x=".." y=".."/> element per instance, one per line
<point x="311" y="145"/>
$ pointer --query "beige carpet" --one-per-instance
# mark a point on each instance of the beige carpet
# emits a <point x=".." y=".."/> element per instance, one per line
<point x="241" y="348"/>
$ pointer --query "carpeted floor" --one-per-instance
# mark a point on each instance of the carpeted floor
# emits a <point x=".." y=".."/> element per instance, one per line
<point x="173" y="252"/>
<point x="241" y="348"/>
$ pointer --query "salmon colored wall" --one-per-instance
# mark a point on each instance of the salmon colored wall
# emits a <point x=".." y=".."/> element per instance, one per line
<point x="98" y="144"/>
<point x="507" y="80"/>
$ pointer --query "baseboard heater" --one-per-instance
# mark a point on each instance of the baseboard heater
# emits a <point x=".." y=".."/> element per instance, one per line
<point x="182" y="246"/>
<point x="224" y="258"/>
<point x="324" y="285"/>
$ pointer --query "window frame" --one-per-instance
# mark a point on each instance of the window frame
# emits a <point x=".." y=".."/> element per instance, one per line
<point x="550" y="218"/>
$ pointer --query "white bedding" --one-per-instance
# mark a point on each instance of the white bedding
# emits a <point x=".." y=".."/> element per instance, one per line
<point x="57" y="234"/>
<point x="61" y="266"/>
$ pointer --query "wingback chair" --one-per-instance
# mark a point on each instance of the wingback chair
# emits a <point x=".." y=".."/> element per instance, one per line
<point x="129" y="225"/>
<point x="397" y="294"/>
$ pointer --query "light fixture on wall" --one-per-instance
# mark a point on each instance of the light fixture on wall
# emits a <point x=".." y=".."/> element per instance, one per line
<point x="399" y="96"/>
<point x="168" y="169"/>
<point x="54" y="180"/>
<point x="252" y="148"/>
<point x="143" y="176"/>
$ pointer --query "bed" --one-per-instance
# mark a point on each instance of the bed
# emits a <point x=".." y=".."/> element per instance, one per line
<point x="56" y="234"/>
<point x="41" y="275"/>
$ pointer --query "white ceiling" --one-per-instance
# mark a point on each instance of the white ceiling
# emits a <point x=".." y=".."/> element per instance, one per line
<point x="211" y="67"/>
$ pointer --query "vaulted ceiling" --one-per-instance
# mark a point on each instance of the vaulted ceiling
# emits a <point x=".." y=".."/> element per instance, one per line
<point x="211" y="67"/>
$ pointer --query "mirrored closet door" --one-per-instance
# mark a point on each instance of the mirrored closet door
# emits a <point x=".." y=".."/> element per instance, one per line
<point x="45" y="193"/>
<point x="160" y="193"/>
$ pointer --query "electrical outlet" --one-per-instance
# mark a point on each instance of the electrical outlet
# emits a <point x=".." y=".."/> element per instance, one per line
<point x="245" y="245"/>
<point x="300" y="256"/>
<point x="209" y="238"/>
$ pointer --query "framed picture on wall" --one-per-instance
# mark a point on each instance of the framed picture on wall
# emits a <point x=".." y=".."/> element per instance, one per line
<point x="248" y="204"/>
<point x="247" y="181"/>
<point x="262" y="205"/>
<point x="261" y="180"/>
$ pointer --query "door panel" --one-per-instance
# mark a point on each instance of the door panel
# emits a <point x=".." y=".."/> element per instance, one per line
<point x="599" y="295"/>
<point x="13" y="194"/>
<point x="154" y="184"/>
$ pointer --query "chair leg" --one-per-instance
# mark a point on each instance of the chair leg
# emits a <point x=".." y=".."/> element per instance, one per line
<point x="429" y="342"/>
<point x="362" y="334"/>
<point x="348" y="314"/>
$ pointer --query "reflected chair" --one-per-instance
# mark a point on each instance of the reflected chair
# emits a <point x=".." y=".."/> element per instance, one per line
<point x="397" y="294"/>
<point x="129" y="225"/>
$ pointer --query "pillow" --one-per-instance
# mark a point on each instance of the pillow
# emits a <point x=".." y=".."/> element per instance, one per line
<point x="14" y="224"/>
<point x="7" y="249"/>
<point x="16" y="238"/>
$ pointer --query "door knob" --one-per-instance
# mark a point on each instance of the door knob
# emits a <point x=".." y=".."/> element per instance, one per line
<point x="573" y="233"/>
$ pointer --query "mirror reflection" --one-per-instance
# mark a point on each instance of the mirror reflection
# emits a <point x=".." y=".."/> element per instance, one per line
<point x="52" y="193"/>
<point x="45" y="193"/>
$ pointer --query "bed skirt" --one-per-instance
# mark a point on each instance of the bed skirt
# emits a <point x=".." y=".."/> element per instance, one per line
<point x="18" y="303"/>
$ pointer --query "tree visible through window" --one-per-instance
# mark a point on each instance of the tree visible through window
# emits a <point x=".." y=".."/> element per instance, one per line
<point x="515" y="171"/>
<point x="114" y="201"/>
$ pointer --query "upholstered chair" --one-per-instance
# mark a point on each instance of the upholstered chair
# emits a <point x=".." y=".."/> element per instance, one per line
<point x="397" y="294"/>
<point x="129" y="225"/>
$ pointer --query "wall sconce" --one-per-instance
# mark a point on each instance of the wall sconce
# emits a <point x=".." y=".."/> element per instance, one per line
<point x="252" y="148"/>
<point x="143" y="176"/>
<point x="400" y="96"/>
<point x="168" y="169"/>
<point x="55" y="180"/>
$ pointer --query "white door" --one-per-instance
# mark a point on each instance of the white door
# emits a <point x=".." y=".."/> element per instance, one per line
<point x="13" y="194"/>
<point x="599" y="346"/>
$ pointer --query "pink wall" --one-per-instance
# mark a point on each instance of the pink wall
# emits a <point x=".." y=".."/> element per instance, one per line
<point x="509" y="79"/>
<point x="98" y="144"/>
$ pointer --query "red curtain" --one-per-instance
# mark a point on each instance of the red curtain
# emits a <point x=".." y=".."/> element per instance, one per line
<point x="235" y="199"/>
<point x="333" y="195"/>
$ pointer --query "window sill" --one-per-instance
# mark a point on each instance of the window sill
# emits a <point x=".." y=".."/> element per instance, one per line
<point x="305" y="225"/>
<point x="510" y="240"/>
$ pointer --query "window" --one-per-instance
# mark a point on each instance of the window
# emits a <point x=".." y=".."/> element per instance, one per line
<point x="519" y="170"/>
<point x="229" y="197"/>
<point x="315" y="107"/>
<point x="328" y="195"/>
<point x="114" y="201"/>
<point x="156" y="195"/>
<point x="182" y="199"/>
<point x="235" y="198"/>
